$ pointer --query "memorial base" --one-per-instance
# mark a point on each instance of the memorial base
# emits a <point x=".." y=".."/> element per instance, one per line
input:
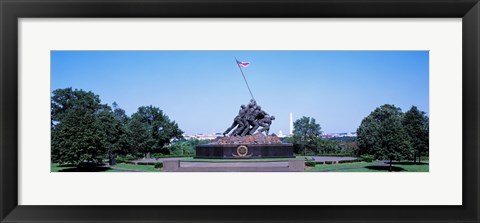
<point x="244" y="151"/>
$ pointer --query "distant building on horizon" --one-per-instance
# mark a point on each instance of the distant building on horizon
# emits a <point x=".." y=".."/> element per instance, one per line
<point x="339" y="135"/>
<point x="201" y="136"/>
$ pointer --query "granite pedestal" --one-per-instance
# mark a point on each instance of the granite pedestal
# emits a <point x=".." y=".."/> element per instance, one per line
<point x="244" y="151"/>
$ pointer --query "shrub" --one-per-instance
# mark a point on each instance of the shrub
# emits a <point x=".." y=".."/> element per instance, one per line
<point x="145" y="163"/>
<point x="124" y="159"/>
<point x="120" y="159"/>
<point x="367" y="158"/>
<point x="159" y="155"/>
<point x="310" y="163"/>
<point x="349" y="161"/>
<point x="424" y="158"/>
<point x="158" y="165"/>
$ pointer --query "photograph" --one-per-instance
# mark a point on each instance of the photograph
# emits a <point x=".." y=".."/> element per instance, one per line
<point x="239" y="111"/>
<point x="209" y="111"/>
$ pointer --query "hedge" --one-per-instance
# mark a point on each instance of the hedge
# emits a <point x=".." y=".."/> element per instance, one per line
<point x="350" y="161"/>
<point x="158" y="165"/>
<point x="367" y="158"/>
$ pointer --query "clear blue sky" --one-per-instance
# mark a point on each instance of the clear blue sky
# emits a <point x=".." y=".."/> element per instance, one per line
<point x="202" y="90"/>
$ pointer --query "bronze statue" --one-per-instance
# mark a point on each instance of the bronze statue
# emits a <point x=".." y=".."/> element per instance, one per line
<point x="265" y="123"/>
<point x="257" y="115"/>
<point x="249" y="119"/>
<point x="237" y="121"/>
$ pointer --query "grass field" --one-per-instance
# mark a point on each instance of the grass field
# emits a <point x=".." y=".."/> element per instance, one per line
<point x="57" y="167"/>
<point x="343" y="167"/>
<point x="144" y="168"/>
<point x="122" y="167"/>
<point x="372" y="167"/>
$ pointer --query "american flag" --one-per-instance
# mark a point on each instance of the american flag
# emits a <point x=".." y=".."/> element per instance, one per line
<point x="243" y="64"/>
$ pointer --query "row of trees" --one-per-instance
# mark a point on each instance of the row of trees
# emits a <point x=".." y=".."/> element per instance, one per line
<point x="307" y="141"/>
<point x="388" y="133"/>
<point x="84" y="129"/>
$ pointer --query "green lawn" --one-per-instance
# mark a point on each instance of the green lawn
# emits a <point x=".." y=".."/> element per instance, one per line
<point x="71" y="168"/>
<point x="424" y="167"/>
<point x="343" y="167"/>
<point x="110" y="170"/>
<point x="320" y="167"/>
<point x="55" y="167"/>
<point x="145" y="168"/>
<point x="372" y="167"/>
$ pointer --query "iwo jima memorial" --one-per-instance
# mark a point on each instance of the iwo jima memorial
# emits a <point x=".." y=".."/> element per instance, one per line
<point x="248" y="136"/>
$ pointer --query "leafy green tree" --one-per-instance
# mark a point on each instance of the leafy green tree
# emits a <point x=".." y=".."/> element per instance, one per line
<point x="306" y="133"/>
<point x="77" y="135"/>
<point x="327" y="146"/>
<point x="177" y="148"/>
<point x="382" y="135"/>
<point x="187" y="147"/>
<point x="140" y="139"/>
<point x="111" y="130"/>
<point x="159" y="128"/>
<point x="348" y="145"/>
<point x="416" y="126"/>
<point x="288" y="139"/>
<point x="123" y="145"/>
<point x="119" y="113"/>
<point x="64" y="100"/>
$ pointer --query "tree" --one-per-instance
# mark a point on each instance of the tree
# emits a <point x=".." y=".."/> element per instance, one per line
<point x="119" y="113"/>
<point x="186" y="147"/>
<point x="123" y="145"/>
<point x="416" y="123"/>
<point x="139" y="137"/>
<point x="76" y="129"/>
<point x="288" y="139"/>
<point x="325" y="146"/>
<point x="305" y="134"/>
<point x="64" y="100"/>
<point x="382" y="135"/>
<point x="158" y="126"/>
<point x="112" y="131"/>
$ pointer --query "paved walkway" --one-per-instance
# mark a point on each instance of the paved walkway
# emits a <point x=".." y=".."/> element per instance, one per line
<point x="126" y="170"/>
<point x="316" y="158"/>
<point x="153" y="160"/>
<point x="233" y="164"/>
<point x="248" y="166"/>
<point x="277" y="166"/>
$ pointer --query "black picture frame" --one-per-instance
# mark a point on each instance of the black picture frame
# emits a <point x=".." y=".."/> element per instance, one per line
<point x="11" y="11"/>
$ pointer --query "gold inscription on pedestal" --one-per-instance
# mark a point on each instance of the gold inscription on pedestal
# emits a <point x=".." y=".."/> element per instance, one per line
<point x="242" y="152"/>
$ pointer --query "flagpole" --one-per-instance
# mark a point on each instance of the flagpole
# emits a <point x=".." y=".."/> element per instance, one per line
<point x="241" y="71"/>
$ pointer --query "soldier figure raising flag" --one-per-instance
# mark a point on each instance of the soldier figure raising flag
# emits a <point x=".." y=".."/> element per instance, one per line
<point x="249" y="117"/>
